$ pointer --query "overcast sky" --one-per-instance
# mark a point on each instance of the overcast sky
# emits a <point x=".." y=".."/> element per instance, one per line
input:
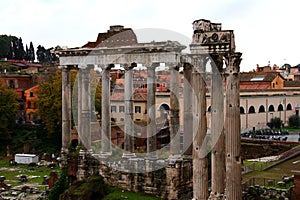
<point x="265" y="30"/>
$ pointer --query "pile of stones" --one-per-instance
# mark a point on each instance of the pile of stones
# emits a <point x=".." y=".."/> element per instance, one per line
<point x="259" y="192"/>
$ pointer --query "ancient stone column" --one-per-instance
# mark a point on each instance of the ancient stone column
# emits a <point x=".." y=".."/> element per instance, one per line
<point x="79" y="103"/>
<point x="85" y="120"/>
<point x="200" y="162"/>
<point x="151" y="111"/>
<point x="106" y="112"/>
<point x="188" y="112"/>
<point x="129" y="125"/>
<point x="217" y="128"/>
<point x="232" y="128"/>
<point x="174" y="111"/>
<point x="66" y="113"/>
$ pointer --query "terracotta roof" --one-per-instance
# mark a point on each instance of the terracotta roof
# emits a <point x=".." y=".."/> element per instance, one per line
<point x="291" y="83"/>
<point x="260" y="86"/>
<point x="115" y="37"/>
<point x="138" y="96"/>
<point x="259" y="77"/>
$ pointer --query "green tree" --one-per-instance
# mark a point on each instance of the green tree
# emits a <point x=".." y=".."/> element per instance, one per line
<point x="49" y="104"/>
<point x="31" y="52"/>
<point x="275" y="122"/>
<point x="294" y="121"/>
<point x="26" y="57"/>
<point x="41" y="54"/>
<point x="8" y="109"/>
<point x="46" y="55"/>
<point x="4" y="46"/>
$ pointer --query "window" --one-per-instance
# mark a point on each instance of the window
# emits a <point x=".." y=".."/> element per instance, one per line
<point x="29" y="104"/>
<point x="113" y="108"/>
<point x="261" y="109"/>
<point x="271" y="108"/>
<point x="121" y="109"/>
<point x="242" y="110"/>
<point x="137" y="109"/>
<point x="280" y="107"/>
<point x="289" y="107"/>
<point x="251" y="109"/>
<point x="11" y="84"/>
<point x="31" y="94"/>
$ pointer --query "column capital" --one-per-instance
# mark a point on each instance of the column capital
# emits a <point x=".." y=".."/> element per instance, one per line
<point x="199" y="62"/>
<point x="65" y="67"/>
<point x="85" y="66"/>
<point x="217" y="60"/>
<point x="187" y="66"/>
<point x="106" y="66"/>
<point x="233" y="62"/>
<point x="174" y="66"/>
<point x="152" y="65"/>
<point x="129" y="67"/>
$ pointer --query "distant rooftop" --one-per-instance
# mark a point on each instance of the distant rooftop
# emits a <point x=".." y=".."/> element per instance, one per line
<point x="116" y="36"/>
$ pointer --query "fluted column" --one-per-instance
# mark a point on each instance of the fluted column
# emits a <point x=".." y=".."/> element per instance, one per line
<point x="174" y="111"/>
<point x="79" y="104"/>
<point x="188" y="112"/>
<point x="232" y="128"/>
<point x="200" y="162"/>
<point x="106" y="112"/>
<point x="129" y="125"/>
<point x="66" y="113"/>
<point x="85" y="120"/>
<point x="217" y="128"/>
<point x="151" y="114"/>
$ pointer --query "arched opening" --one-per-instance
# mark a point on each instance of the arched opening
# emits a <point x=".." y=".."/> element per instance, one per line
<point x="242" y="110"/>
<point x="261" y="109"/>
<point x="289" y="107"/>
<point x="271" y="108"/>
<point x="164" y="110"/>
<point x="251" y="109"/>
<point x="280" y="107"/>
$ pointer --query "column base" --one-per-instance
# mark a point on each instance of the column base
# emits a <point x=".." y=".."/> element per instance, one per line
<point x="174" y="158"/>
<point x="216" y="196"/>
<point x="105" y="155"/>
<point x="128" y="155"/>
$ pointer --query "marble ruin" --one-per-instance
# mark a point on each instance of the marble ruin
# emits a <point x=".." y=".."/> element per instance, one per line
<point x="184" y="175"/>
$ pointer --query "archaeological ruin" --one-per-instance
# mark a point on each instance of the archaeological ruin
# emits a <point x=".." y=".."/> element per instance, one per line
<point x="210" y="69"/>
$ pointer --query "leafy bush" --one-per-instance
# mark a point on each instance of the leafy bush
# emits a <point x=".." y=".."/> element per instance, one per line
<point x="275" y="122"/>
<point x="294" y="121"/>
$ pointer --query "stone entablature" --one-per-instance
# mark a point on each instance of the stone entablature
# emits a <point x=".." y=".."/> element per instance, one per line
<point x="142" y="53"/>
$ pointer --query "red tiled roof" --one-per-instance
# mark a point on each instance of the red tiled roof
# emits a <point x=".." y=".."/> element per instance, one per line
<point x="254" y="87"/>
<point x="137" y="96"/>
<point x="114" y="38"/>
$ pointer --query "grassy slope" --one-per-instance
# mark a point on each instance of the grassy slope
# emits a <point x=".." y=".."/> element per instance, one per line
<point x="276" y="172"/>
